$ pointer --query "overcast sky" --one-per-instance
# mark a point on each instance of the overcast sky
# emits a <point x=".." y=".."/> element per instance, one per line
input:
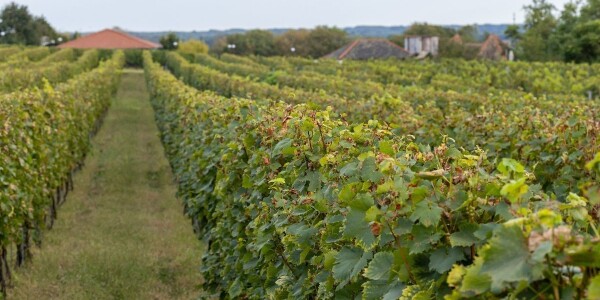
<point x="187" y="15"/>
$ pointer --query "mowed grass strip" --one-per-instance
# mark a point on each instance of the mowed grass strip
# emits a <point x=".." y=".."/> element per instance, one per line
<point x="121" y="234"/>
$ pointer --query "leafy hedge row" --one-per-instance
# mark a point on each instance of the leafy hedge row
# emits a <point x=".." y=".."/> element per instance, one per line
<point x="452" y="74"/>
<point x="26" y="56"/>
<point x="44" y="136"/>
<point x="365" y="88"/>
<point x="54" y="69"/>
<point x="554" y="137"/>
<point x="7" y="51"/>
<point x="294" y="202"/>
<point x="67" y="55"/>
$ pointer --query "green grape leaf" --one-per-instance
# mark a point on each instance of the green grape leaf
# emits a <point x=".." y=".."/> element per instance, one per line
<point x="358" y="228"/>
<point x="507" y="259"/>
<point x="386" y="147"/>
<point x="474" y="281"/>
<point x="280" y="146"/>
<point x="303" y="232"/>
<point x="329" y="259"/>
<point x="423" y="238"/>
<point x="350" y="169"/>
<point x="428" y="213"/>
<point x="380" y="267"/>
<point x="314" y="179"/>
<point x="419" y="193"/>
<point x="374" y="290"/>
<point x="348" y="264"/>
<point x="362" y="202"/>
<point x="515" y="189"/>
<point x="508" y="165"/>
<point x="347" y="193"/>
<point x="235" y="289"/>
<point x="369" y="170"/>
<point x="465" y="237"/>
<point x="442" y="259"/>
<point x="395" y="292"/>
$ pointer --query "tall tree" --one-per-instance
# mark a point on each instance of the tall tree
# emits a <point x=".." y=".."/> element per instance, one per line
<point x="169" y="41"/>
<point x="324" y="40"/>
<point x="513" y="32"/>
<point x="562" y="40"/>
<point x="20" y="27"/>
<point x="253" y="42"/>
<point x="587" y="47"/>
<point x="588" y="34"/>
<point x="260" y="42"/>
<point x="429" y="30"/>
<point x="293" y="39"/>
<point x="468" y="33"/>
<point x="539" y="26"/>
<point x="591" y="10"/>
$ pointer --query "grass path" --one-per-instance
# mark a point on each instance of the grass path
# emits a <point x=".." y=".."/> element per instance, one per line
<point x="121" y="234"/>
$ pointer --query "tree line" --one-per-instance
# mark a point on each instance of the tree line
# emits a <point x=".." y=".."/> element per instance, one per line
<point x="18" y="26"/>
<point x="572" y="35"/>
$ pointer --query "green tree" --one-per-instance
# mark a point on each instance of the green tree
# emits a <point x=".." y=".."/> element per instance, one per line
<point x="239" y="42"/>
<point x="562" y="39"/>
<point x="588" y="33"/>
<point x="513" y="32"/>
<point x="253" y="42"/>
<point x="591" y="10"/>
<point x="296" y="39"/>
<point x="587" y="45"/>
<point x="260" y="42"/>
<point x="169" y="41"/>
<point x="43" y="29"/>
<point x="193" y="46"/>
<point x="20" y="27"/>
<point x="324" y="40"/>
<point x="219" y="45"/>
<point x="426" y="29"/>
<point x="468" y="33"/>
<point x="540" y="24"/>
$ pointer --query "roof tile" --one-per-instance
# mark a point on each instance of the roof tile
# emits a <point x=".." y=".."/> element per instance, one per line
<point x="109" y="39"/>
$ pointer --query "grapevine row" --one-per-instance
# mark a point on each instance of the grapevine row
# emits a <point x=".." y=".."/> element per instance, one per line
<point x="294" y="202"/>
<point x="557" y="136"/>
<point x="54" y="68"/>
<point x="44" y="136"/>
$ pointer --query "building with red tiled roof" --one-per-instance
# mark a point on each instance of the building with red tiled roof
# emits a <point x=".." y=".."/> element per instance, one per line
<point x="109" y="39"/>
<point x="456" y="39"/>
<point x="493" y="48"/>
<point x="369" y="49"/>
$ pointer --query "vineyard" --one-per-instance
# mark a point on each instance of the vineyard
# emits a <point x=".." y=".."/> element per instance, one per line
<point x="386" y="180"/>
<point x="50" y="105"/>
<point x="322" y="179"/>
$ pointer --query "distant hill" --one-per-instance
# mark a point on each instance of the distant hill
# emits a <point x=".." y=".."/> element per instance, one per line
<point x="357" y="31"/>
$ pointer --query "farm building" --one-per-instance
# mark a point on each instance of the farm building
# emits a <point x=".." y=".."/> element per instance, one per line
<point x="495" y="49"/>
<point x="369" y="49"/>
<point x="422" y="45"/>
<point x="456" y="39"/>
<point x="110" y="39"/>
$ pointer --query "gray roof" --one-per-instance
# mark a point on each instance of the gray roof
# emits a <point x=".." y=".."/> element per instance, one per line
<point x="369" y="49"/>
